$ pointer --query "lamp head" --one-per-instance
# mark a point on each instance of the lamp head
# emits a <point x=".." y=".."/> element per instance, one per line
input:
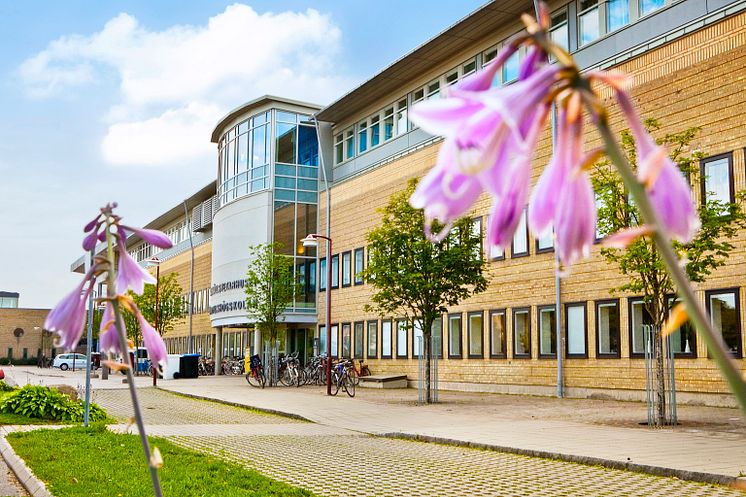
<point x="310" y="241"/>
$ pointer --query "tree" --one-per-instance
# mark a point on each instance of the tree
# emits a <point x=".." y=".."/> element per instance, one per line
<point x="171" y="308"/>
<point x="641" y="261"/>
<point x="418" y="278"/>
<point x="270" y="287"/>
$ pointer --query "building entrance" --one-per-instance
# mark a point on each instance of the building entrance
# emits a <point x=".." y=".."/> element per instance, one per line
<point x="298" y="342"/>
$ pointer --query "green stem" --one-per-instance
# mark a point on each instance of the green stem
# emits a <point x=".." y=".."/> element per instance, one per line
<point x="111" y="293"/>
<point x="713" y="339"/>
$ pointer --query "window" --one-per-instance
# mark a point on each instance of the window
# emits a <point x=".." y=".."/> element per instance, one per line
<point x="346" y="268"/>
<point x="717" y="179"/>
<point x="648" y="6"/>
<point x="349" y="143"/>
<point x="433" y="89"/>
<point x="436" y="332"/>
<point x="359" y="340"/>
<point x="607" y="328"/>
<point x="683" y="340"/>
<point x="725" y="315"/>
<point x="335" y="271"/>
<point x="322" y="274"/>
<point x="386" y="339"/>
<point x="511" y="68"/>
<point x="575" y="330"/>
<point x="401" y="338"/>
<point x="475" y="336"/>
<point x="617" y="14"/>
<point x="547" y="331"/>
<point x="640" y="324"/>
<point x="497" y="333"/>
<point x="346" y="340"/>
<point x="335" y="340"/>
<point x="388" y="123"/>
<point x="339" y="148"/>
<point x="417" y="344"/>
<point x="372" y="339"/>
<point x="401" y="117"/>
<point x="454" y="336"/>
<point x="588" y="21"/>
<point x="558" y="31"/>
<point x="476" y="231"/>
<point x="375" y="130"/>
<point x="601" y="231"/>
<point x="522" y="333"/>
<point x="520" y="239"/>
<point x="358" y="277"/>
<point x="322" y="340"/>
<point x="362" y="137"/>
<point x="545" y="242"/>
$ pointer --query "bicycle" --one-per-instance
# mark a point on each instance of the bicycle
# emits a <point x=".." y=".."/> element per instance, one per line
<point x="291" y="374"/>
<point x="255" y="376"/>
<point x="340" y="378"/>
<point x="356" y="373"/>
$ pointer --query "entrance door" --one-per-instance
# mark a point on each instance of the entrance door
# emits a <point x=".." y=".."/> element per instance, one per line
<point x="297" y="343"/>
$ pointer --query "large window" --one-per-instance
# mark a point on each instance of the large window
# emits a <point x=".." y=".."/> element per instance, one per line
<point x="559" y="32"/>
<point x="497" y="333"/>
<point x="576" y="330"/>
<point x="346" y="268"/>
<point x="454" y="336"/>
<point x="725" y="315"/>
<point x="417" y="338"/>
<point x="589" y="21"/>
<point x="683" y="340"/>
<point x="547" y="331"/>
<point x="386" y="337"/>
<point x="545" y="242"/>
<point x="617" y="14"/>
<point x="358" y="340"/>
<point x="437" y="338"/>
<point x="346" y="340"/>
<point x="322" y="274"/>
<point x="648" y="6"/>
<point x="522" y="333"/>
<point x="335" y="271"/>
<point x="335" y="340"/>
<point x="520" y="239"/>
<point x="475" y="335"/>
<point x="640" y="324"/>
<point x="607" y="328"/>
<point x="357" y="271"/>
<point x="322" y="340"/>
<point x="372" y="339"/>
<point x="401" y="338"/>
<point x="717" y="179"/>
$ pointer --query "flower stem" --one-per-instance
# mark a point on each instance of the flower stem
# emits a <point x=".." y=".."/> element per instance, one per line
<point x="713" y="339"/>
<point x="111" y="293"/>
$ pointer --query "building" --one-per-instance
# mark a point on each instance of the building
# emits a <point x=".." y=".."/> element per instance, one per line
<point x="23" y="339"/>
<point x="687" y="58"/>
<point x="9" y="300"/>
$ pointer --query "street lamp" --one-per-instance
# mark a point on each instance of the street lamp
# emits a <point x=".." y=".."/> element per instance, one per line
<point x="312" y="240"/>
<point x="157" y="263"/>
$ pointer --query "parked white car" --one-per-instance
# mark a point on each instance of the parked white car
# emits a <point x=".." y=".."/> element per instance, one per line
<point x="67" y="361"/>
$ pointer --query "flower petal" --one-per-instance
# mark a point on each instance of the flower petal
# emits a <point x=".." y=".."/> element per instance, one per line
<point x="129" y="273"/>
<point x="624" y="238"/>
<point x="108" y="335"/>
<point x="153" y="341"/>
<point x="153" y="237"/>
<point x="67" y="318"/>
<point x="575" y="224"/>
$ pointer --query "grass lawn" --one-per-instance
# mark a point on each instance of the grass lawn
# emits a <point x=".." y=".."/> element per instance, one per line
<point x="91" y="462"/>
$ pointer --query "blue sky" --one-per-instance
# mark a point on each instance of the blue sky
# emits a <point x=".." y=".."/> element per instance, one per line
<point x="115" y="100"/>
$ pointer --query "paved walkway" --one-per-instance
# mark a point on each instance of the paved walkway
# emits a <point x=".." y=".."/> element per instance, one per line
<point x="333" y="461"/>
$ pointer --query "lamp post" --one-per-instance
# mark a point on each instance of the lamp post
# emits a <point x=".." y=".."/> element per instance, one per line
<point x="312" y="240"/>
<point x="157" y="262"/>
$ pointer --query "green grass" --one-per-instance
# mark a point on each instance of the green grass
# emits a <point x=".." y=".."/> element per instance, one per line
<point x="94" y="462"/>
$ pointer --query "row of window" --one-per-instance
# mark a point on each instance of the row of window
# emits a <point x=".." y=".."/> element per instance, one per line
<point x="352" y="265"/>
<point x="466" y="337"/>
<point x="595" y="19"/>
<point x="200" y="300"/>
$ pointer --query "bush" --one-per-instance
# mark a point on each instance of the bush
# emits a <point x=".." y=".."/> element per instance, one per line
<point x="41" y="402"/>
<point x="4" y="387"/>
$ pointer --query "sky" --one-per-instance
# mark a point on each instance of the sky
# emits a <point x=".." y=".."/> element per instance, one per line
<point x="115" y="101"/>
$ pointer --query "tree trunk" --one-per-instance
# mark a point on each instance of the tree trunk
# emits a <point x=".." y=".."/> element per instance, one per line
<point x="659" y="379"/>
<point x="427" y="350"/>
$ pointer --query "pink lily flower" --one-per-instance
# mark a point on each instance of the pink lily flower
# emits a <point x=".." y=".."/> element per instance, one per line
<point x="575" y="222"/>
<point x="108" y="339"/>
<point x="153" y="341"/>
<point x="130" y="275"/>
<point x="68" y="316"/>
<point x="667" y="187"/>
<point x="153" y="237"/>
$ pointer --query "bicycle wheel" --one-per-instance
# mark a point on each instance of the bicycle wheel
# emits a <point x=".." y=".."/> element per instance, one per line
<point x="349" y="385"/>
<point x="255" y="379"/>
<point x="365" y="371"/>
<point x="352" y="373"/>
<point x="336" y="382"/>
<point x="286" y="378"/>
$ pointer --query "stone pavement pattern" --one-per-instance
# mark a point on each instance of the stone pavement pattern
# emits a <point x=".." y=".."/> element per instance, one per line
<point x="338" y="462"/>
<point x="9" y="485"/>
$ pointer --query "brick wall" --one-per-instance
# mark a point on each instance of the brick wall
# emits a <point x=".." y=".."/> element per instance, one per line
<point x="27" y="320"/>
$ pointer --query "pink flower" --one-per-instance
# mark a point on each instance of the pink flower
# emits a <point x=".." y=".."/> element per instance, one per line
<point x="153" y="237"/>
<point x="575" y="221"/>
<point x="130" y="275"/>
<point x="67" y="318"/>
<point x="108" y="334"/>
<point x="668" y="189"/>
<point x="153" y="341"/>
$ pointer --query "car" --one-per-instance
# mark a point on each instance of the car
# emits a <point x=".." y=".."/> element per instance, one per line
<point x="67" y="361"/>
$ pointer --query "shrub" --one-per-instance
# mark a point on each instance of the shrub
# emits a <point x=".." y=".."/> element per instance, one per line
<point x="35" y="401"/>
<point x="4" y="387"/>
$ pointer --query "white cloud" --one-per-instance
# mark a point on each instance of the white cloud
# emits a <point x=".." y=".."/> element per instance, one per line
<point x="175" y="83"/>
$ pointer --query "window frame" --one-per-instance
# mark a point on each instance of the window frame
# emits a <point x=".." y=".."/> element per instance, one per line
<point x="513" y="253"/>
<point x="504" y="312"/>
<point x="355" y="270"/>
<point x="671" y="300"/>
<point x="367" y="339"/>
<point x="516" y="311"/>
<point x="630" y="332"/>
<point x="348" y="273"/>
<point x="703" y="178"/>
<point x="440" y="354"/>
<point x="322" y="274"/>
<point x="597" y="306"/>
<point x="342" y="339"/>
<point x="460" y="315"/>
<point x="330" y="284"/>
<point x="539" y="309"/>
<point x="335" y="350"/>
<point x="476" y="228"/>
<point x="406" y="338"/>
<point x="737" y="294"/>
<point x="469" y="332"/>
<point x="566" y="317"/>
<point x="391" y="339"/>
<point x="545" y="250"/>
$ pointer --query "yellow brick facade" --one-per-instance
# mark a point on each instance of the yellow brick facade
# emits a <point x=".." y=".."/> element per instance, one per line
<point x="32" y="342"/>
<point x="697" y="80"/>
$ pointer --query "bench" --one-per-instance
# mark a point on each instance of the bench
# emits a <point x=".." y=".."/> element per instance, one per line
<point x="384" y="381"/>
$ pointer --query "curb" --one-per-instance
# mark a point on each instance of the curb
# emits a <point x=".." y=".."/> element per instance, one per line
<point x="730" y="481"/>
<point x="34" y="486"/>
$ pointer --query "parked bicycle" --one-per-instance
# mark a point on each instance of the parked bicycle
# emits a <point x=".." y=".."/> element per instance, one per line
<point x="340" y="378"/>
<point x="255" y="375"/>
<point x="355" y="373"/>
<point x="291" y="373"/>
<point x="232" y="366"/>
<point x="206" y="366"/>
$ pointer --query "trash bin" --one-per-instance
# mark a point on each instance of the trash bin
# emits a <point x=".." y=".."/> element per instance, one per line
<point x="189" y="366"/>
<point x="172" y="368"/>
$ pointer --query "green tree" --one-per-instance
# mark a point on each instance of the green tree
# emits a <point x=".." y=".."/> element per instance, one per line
<point x="171" y="308"/>
<point x="418" y="278"/>
<point x="270" y="287"/>
<point x="641" y="262"/>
